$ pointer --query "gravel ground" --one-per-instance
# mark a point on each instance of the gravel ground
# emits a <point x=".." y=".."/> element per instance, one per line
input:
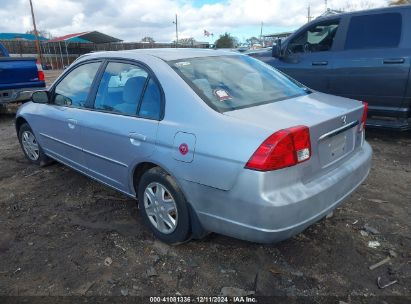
<point x="64" y="234"/>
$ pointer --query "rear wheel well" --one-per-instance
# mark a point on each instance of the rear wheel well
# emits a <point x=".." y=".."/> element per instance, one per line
<point x="138" y="173"/>
<point x="197" y="230"/>
<point x="19" y="122"/>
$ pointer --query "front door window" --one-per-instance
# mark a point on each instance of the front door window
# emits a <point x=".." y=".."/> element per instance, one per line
<point x="318" y="38"/>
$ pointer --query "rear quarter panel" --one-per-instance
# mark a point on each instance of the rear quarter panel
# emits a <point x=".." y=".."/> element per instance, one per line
<point x="222" y="144"/>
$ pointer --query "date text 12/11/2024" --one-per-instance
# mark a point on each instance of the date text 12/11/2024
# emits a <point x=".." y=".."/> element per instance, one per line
<point x="203" y="299"/>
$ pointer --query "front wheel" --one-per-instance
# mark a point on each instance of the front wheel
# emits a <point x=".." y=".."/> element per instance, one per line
<point x="163" y="206"/>
<point x="31" y="148"/>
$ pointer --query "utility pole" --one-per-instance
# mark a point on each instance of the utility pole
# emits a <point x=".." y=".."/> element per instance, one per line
<point x="176" y="23"/>
<point x="261" y="33"/>
<point x="36" y="33"/>
<point x="309" y="13"/>
<point x="326" y="5"/>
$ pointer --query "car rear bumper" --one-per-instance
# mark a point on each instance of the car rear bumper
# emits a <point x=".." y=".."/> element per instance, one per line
<point x="14" y="95"/>
<point x="254" y="210"/>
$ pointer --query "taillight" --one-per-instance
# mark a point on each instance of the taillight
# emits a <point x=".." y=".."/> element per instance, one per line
<point x="364" y="116"/>
<point x="284" y="148"/>
<point x="40" y="72"/>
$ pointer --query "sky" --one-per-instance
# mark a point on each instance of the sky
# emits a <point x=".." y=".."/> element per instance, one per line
<point x="131" y="20"/>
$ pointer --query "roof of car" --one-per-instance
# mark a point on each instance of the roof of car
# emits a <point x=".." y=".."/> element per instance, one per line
<point x="167" y="53"/>
<point x="365" y="12"/>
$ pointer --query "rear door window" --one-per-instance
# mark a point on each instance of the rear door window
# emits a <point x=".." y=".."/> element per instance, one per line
<point x="128" y="89"/>
<point x="374" y="31"/>
<point x="121" y="88"/>
<point x="151" y="104"/>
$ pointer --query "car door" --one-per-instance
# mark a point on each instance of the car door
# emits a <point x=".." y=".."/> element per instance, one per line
<point x="373" y="66"/>
<point x="60" y="122"/>
<point x="309" y="53"/>
<point x="121" y="130"/>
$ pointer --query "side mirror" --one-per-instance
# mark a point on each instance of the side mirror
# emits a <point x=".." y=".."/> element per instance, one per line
<point x="40" y="97"/>
<point x="276" y="50"/>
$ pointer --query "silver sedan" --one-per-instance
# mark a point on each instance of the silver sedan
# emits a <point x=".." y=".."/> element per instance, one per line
<point x="207" y="141"/>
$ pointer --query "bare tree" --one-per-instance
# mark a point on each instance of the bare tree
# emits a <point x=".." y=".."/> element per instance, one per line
<point x="399" y="2"/>
<point x="351" y="6"/>
<point x="187" y="41"/>
<point x="148" y="39"/>
<point x="41" y="33"/>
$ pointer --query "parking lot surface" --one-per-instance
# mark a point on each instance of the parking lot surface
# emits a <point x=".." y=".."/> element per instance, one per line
<point x="65" y="234"/>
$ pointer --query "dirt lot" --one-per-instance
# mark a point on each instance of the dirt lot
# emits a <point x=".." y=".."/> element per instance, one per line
<point x="58" y="229"/>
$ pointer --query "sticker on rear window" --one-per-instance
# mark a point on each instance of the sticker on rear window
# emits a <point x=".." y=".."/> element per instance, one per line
<point x="182" y="63"/>
<point x="222" y="95"/>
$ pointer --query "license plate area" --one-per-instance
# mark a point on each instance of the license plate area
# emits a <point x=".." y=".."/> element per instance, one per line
<point x="332" y="149"/>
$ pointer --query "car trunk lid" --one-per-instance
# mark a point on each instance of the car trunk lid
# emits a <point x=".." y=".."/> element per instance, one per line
<point x="333" y="123"/>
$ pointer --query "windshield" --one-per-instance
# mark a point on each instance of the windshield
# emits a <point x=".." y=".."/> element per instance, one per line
<point x="235" y="81"/>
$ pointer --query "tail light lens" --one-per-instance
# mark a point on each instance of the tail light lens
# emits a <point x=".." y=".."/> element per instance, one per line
<point x="282" y="149"/>
<point x="40" y="71"/>
<point x="364" y="116"/>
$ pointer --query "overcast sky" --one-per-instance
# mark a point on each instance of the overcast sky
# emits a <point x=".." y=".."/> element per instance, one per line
<point x="131" y="20"/>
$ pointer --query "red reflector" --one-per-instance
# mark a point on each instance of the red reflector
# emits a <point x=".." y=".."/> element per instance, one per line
<point x="40" y="72"/>
<point x="41" y="75"/>
<point x="364" y="116"/>
<point x="282" y="149"/>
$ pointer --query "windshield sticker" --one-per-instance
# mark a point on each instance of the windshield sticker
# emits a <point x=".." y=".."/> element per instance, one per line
<point x="182" y="63"/>
<point x="222" y="95"/>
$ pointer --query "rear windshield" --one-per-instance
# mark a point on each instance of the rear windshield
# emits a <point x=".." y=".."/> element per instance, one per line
<point x="233" y="82"/>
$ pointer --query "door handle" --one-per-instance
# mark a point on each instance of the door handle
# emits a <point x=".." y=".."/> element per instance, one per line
<point x="71" y="123"/>
<point x="320" y="63"/>
<point x="393" y="60"/>
<point x="136" y="138"/>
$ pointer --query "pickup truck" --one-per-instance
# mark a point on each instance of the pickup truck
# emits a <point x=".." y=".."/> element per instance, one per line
<point x="362" y="55"/>
<point x="18" y="76"/>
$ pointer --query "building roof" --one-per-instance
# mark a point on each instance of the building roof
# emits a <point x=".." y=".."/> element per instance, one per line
<point x="278" y="35"/>
<point x="87" y="37"/>
<point x="20" y="36"/>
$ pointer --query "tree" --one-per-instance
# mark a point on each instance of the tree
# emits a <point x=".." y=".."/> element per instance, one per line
<point x="148" y="39"/>
<point x="41" y="33"/>
<point x="226" y="41"/>
<point x="399" y="2"/>
<point x="351" y="6"/>
<point x="252" y="40"/>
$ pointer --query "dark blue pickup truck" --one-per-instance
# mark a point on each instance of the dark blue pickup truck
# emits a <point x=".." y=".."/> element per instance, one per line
<point x="18" y="75"/>
<point x="363" y="55"/>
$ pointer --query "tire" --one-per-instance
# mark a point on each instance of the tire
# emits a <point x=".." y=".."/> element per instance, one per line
<point x="30" y="146"/>
<point x="159" y="209"/>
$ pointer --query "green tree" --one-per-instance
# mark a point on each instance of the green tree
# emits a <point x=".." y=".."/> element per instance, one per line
<point x="226" y="41"/>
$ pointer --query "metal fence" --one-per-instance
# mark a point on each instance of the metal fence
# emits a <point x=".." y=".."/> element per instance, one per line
<point x="57" y="55"/>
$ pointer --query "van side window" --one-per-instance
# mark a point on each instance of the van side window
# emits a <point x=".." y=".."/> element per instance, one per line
<point x="374" y="31"/>
<point x="318" y="38"/>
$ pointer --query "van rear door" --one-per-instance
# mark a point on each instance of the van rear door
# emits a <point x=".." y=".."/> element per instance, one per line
<point x="373" y="65"/>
